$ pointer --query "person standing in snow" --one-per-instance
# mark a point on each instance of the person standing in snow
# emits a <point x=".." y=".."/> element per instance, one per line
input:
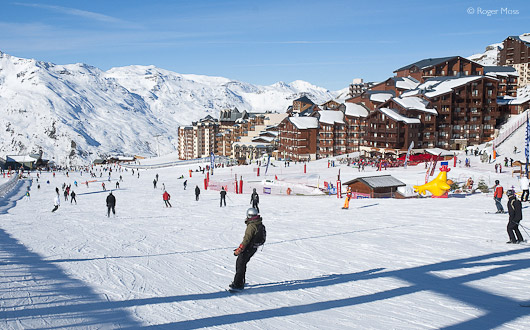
<point x="524" y="187"/>
<point x="166" y="198"/>
<point x="246" y="249"/>
<point x="154" y="183"/>
<point x="515" y="216"/>
<point x="185" y="184"/>
<point x="111" y="204"/>
<point x="223" y="196"/>
<point x="254" y="199"/>
<point x="497" y="196"/>
<point x="66" y="195"/>
<point x="197" y="193"/>
<point x="72" y="197"/>
<point x="56" y="203"/>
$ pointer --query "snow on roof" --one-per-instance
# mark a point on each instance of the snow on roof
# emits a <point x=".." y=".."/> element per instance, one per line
<point x="304" y="122"/>
<point x="414" y="103"/>
<point x="504" y="71"/>
<point x="20" y="159"/>
<point x="356" y="110"/>
<point x="439" y="152"/>
<point x="380" y="181"/>
<point x="380" y="97"/>
<point x="523" y="96"/>
<point x="331" y="117"/>
<point x="264" y="138"/>
<point x="399" y="117"/>
<point x="442" y="85"/>
<point x="406" y="83"/>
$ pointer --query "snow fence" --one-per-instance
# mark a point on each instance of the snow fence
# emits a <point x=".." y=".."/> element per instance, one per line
<point x="8" y="186"/>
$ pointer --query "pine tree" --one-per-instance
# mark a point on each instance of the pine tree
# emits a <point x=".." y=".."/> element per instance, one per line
<point x="482" y="186"/>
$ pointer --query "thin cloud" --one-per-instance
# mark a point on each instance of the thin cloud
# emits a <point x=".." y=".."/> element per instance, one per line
<point x="76" y="12"/>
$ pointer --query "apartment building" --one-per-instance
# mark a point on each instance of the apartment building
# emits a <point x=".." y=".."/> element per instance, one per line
<point x="516" y="53"/>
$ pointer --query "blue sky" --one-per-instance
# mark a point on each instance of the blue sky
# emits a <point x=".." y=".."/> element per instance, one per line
<point x="327" y="42"/>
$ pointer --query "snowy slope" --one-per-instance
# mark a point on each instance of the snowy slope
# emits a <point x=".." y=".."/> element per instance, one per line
<point x="383" y="264"/>
<point x="489" y="57"/>
<point x="77" y="112"/>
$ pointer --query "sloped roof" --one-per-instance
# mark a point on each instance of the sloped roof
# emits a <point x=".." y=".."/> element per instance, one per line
<point x="304" y="99"/>
<point x="439" y="152"/>
<point x="425" y="63"/>
<point x="500" y="71"/>
<point x="381" y="96"/>
<point x="414" y="103"/>
<point x="21" y="158"/>
<point x="442" y="85"/>
<point x="304" y="122"/>
<point x="394" y="114"/>
<point x="356" y="110"/>
<point x="405" y="82"/>
<point x="380" y="181"/>
<point x="331" y="117"/>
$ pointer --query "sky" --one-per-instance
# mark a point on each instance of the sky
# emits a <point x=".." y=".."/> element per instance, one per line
<point x="327" y="43"/>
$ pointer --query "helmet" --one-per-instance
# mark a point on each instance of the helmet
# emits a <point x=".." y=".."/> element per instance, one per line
<point x="252" y="212"/>
<point x="510" y="192"/>
<point x="496" y="181"/>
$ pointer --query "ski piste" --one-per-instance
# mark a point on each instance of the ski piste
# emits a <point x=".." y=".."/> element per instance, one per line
<point x="491" y="212"/>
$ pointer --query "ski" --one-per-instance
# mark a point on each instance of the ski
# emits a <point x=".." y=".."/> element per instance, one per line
<point x="495" y="212"/>
<point x="234" y="290"/>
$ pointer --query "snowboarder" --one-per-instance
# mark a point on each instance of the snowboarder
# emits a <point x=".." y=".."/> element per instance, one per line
<point x="185" y="184"/>
<point x="247" y="248"/>
<point x="348" y="197"/>
<point x="72" y="197"/>
<point x="197" y="193"/>
<point x="166" y="198"/>
<point x="497" y="196"/>
<point x="111" y="203"/>
<point x="515" y="216"/>
<point x="524" y="187"/>
<point x="223" y="197"/>
<point x="254" y="199"/>
<point x="56" y="203"/>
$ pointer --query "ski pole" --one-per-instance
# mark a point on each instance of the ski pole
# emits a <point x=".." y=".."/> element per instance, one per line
<point x="524" y="228"/>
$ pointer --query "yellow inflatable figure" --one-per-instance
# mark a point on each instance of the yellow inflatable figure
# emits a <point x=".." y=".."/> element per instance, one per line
<point x="438" y="186"/>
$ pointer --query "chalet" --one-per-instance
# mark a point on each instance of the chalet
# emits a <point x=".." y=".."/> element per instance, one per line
<point x="298" y="138"/>
<point x="516" y="53"/>
<point x="371" y="99"/>
<point x="507" y="77"/>
<point x="452" y="66"/>
<point x="300" y="105"/>
<point x="331" y="133"/>
<point x="27" y="162"/>
<point x="355" y="119"/>
<point x="383" y="186"/>
<point x="396" y="84"/>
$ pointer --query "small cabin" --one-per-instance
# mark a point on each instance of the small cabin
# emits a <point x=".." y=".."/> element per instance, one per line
<point x="382" y="186"/>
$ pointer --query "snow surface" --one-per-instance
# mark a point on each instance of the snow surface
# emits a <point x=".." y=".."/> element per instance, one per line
<point x="383" y="264"/>
<point x="331" y="117"/>
<point x="415" y="103"/>
<point x="304" y="122"/>
<point x="392" y="113"/>
<point x="355" y="110"/>
<point x="490" y="55"/>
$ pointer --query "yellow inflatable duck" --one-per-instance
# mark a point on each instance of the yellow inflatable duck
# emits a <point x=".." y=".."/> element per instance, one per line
<point x="437" y="186"/>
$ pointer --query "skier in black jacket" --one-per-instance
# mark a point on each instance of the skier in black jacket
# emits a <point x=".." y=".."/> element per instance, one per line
<point x="197" y="193"/>
<point x="516" y="215"/>
<point x="111" y="203"/>
<point x="223" y="197"/>
<point x="254" y="199"/>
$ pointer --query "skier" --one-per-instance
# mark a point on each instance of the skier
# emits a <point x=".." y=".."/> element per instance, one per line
<point x="515" y="216"/>
<point x="497" y="196"/>
<point x="72" y="197"/>
<point x="27" y="196"/>
<point x="166" y="198"/>
<point x="247" y="248"/>
<point x="254" y="199"/>
<point x="117" y="184"/>
<point x="524" y="187"/>
<point x="154" y="183"/>
<point x="111" y="203"/>
<point x="103" y="186"/>
<point x="223" y="197"/>
<point x="197" y="193"/>
<point x="56" y="203"/>
<point x="185" y="184"/>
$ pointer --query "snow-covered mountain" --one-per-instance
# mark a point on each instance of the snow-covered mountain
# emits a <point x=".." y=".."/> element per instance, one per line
<point x="77" y="112"/>
<point x="489" y="57"/>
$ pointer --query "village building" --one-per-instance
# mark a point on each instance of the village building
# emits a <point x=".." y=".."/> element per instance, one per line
<point x="355" y="119"/>
<point x="198" y="140"/>
<point x="452" y="66"/>
<point x="383" y="186"/>
<point x="298" y="138"/>
<point x="507" y="77"/>
<point x="516" y="53"/>
<point x="332" y="131"/>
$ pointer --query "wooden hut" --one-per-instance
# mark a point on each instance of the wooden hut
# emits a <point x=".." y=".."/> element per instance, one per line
<point x="382" y="186"/>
